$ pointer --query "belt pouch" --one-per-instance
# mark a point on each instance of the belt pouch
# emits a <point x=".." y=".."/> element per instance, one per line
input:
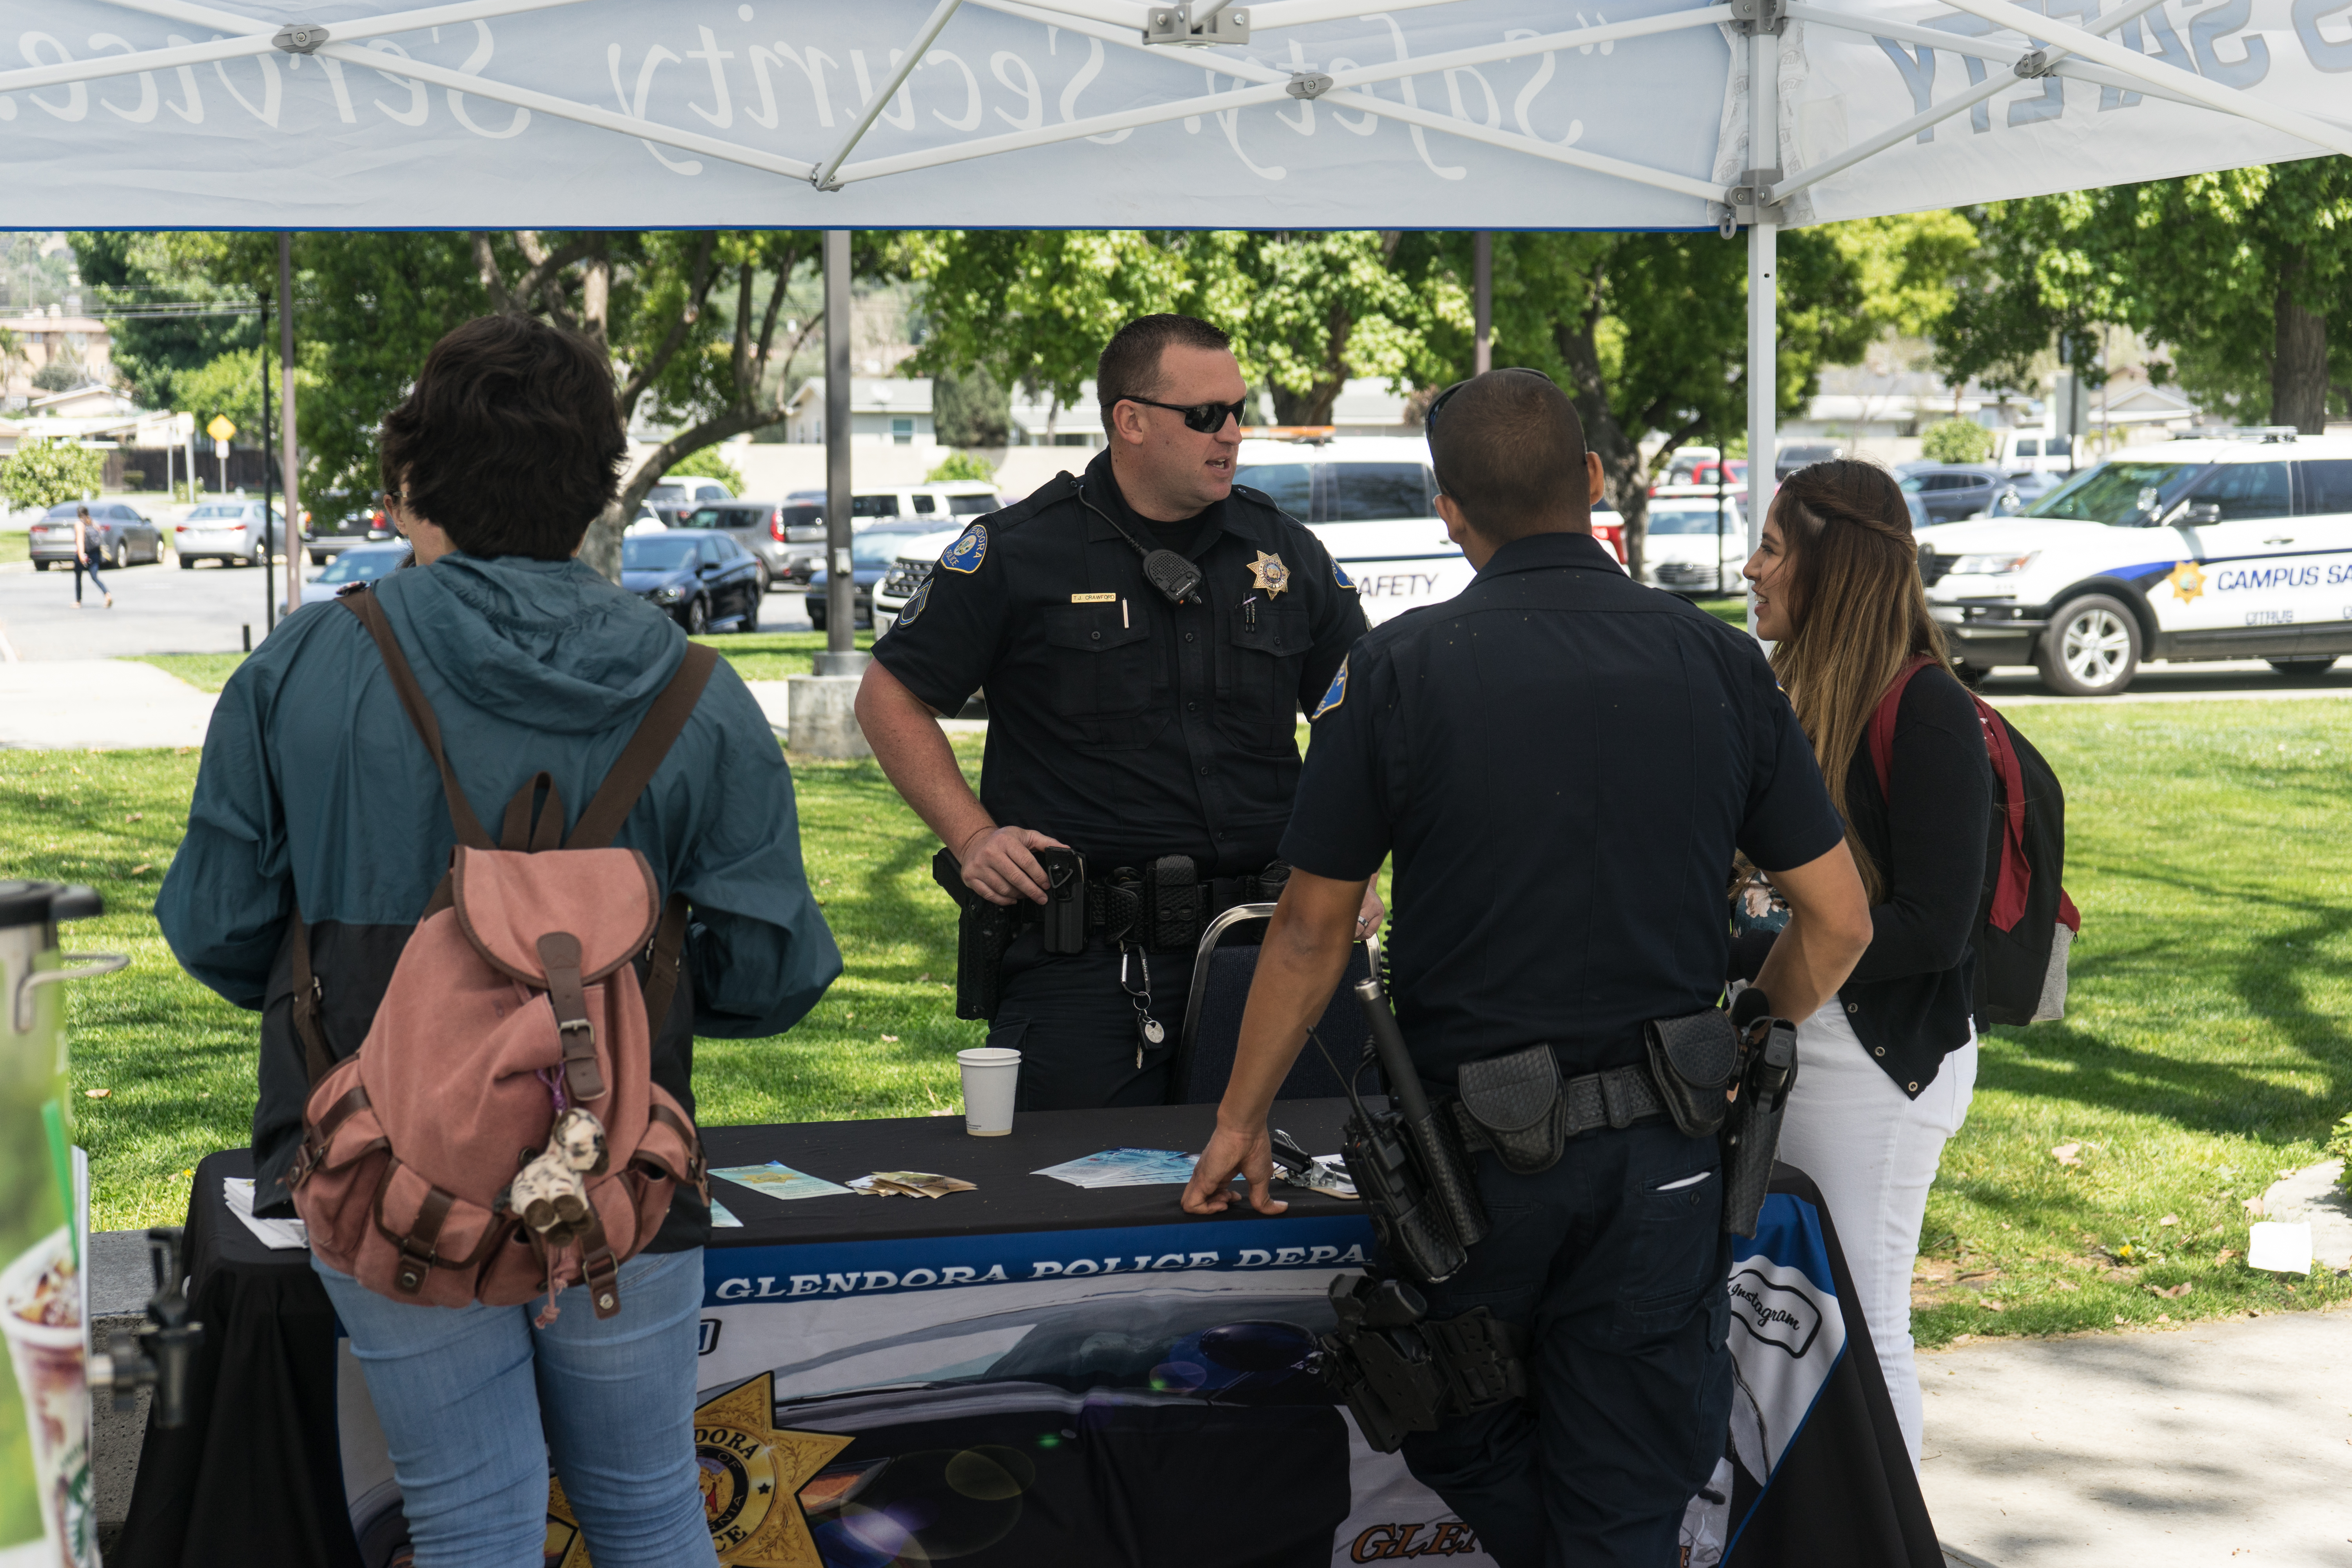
<point x="1172" y="903"/>
<point x="1063" y="913"/>
<point x="1516" y="1101"/>
<point x="1696" y="1061"/>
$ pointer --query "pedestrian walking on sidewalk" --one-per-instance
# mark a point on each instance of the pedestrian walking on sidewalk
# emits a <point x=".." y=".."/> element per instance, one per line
<point x="1886" y="1067"/>
<point x="87" y="549"/>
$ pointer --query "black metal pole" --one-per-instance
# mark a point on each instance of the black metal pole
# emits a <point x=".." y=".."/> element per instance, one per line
<point x="269" y="590"/>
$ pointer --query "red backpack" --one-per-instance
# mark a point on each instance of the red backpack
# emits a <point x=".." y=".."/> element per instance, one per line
<point x="499" y="1132"/>
<point x="2026" y="922"/>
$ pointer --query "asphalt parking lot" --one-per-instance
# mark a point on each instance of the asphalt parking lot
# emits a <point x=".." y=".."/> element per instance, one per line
<point x="209" y="608"/>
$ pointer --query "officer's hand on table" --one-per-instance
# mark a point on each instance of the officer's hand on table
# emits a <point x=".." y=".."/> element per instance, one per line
<point x="1368" y="919"/>
<point x="998" y="866"/>
<point x="1251" y="1154"/>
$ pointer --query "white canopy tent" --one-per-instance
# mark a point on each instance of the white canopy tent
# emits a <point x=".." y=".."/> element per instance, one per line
<point x="1459" y="114"/>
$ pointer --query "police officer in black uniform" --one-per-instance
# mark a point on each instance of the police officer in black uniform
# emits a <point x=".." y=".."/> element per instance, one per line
<point x="1148" y="635"/>
<point x="1562" y="763"/>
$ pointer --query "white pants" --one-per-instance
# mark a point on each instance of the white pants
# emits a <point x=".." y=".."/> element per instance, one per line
<point x="1873" y="1150"/>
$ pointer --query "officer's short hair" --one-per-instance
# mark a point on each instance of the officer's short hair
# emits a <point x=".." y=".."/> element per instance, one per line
<point x="1130" y="366"/>
<point x="1508" y="447"/>
<point x="510" y="441"/>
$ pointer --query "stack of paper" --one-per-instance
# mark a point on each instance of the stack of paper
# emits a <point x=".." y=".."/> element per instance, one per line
<point x="778" y="1180"/>
<point x="909" y="1185"/>
<point x="1125" y="1168"/>
<point x="281" y="1235"/>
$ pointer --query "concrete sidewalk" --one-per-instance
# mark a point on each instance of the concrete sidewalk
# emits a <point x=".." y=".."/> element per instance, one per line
<point x="76" y="704"/>
<point x="2208" y="1445"/>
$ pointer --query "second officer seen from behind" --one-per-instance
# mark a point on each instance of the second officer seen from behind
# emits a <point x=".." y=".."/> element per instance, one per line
<point x="1147" y="634"/>
<point x="1562" y="763"/>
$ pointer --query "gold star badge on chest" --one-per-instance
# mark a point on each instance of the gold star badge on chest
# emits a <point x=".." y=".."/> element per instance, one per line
<point x="752" y="1475"/>
<point x="1269" y="573"/>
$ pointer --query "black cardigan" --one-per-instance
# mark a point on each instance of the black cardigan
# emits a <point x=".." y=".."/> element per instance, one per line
<point x="1910" y="998"/>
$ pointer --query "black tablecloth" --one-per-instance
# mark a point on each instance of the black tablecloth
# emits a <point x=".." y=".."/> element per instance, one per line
<point x="256" y="1477"/>
<point x="1010" y="1198"/>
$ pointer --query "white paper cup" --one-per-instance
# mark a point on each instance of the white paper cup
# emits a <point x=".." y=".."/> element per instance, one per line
<point x="991" y="1073"/>
<point x="47" y="1361"/>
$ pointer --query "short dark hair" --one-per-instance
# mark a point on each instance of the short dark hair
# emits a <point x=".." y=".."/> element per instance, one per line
<point x="510" y="441"/>
<point x="1130" y="366"/>
<point x="1509" y="449"/>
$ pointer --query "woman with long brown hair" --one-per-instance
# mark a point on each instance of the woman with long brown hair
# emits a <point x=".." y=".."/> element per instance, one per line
<point x="1886" y="1067"/>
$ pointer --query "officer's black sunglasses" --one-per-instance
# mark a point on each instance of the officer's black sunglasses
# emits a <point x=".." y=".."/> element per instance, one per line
<point x="1208" y="418"/>
<point x="1437" y="404"/>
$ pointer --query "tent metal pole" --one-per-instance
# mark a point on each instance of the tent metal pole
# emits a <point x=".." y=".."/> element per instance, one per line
<point x="841" y="579"/>
<point x="2068" y="38"/>
<point x="289" y="459"/>
<point x="822" y="175"/>
<point x="1482" y="272"/>
<point x="1763" y="298"/>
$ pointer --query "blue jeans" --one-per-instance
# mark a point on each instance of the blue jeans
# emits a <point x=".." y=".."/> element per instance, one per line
<point x="475" y="1403"/>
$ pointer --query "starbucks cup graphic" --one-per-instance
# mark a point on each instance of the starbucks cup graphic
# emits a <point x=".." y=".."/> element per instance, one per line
<point x="41" y="1312"/>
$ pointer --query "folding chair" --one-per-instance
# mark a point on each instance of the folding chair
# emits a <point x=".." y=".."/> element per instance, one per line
<point x="1212" y="1018"/>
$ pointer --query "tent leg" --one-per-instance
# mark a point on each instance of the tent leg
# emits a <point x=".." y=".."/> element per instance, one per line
<point x="1763" y="296"/>
<point x="840" y="585"/>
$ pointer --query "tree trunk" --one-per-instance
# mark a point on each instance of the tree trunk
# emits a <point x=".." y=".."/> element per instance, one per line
<point x="1312" y="407"/>
<point x="2298" y="362"/>
<point x="1625" y="476"/>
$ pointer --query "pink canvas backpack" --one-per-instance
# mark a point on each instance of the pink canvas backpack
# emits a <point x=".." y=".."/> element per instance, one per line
<point x="499" y="1132"/>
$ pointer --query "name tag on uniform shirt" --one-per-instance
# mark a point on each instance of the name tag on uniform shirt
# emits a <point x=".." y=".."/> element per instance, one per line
<point x="1094" y="598"/>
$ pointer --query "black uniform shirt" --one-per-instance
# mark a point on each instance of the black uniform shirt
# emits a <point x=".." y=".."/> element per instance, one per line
<point x="1563" y="761"/>
<point x="1124" y="726"/>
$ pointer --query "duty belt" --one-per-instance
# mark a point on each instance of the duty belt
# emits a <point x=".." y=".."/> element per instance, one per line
<point x="1166" y="906"/>
<point x="1618" y="1097"/>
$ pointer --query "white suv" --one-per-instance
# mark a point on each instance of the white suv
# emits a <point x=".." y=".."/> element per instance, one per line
<point x="2192" y="550"/>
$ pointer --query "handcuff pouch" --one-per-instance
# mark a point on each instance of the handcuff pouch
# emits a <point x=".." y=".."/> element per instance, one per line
<point x="1696" y="1061"/>
<point x="1516" y="1101"/>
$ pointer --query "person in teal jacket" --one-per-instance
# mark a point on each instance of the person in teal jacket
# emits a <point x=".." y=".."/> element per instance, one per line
<point x="317" y="800"/>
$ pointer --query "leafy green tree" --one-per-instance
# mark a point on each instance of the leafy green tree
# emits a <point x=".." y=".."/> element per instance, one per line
<point x="1955" y="441"/>
<point x="62" y="374"/>
<point x="190" y="297"/>
<point x="707" y="464"/>
<point x="971" y="408"/>
<point x="961" y="466"/>
<point x="2238" y="272"/>
<point x="47" y="469"/>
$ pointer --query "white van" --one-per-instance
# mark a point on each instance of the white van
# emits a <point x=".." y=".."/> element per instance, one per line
<point x="2192" y="550"/>
<point x="2033" y="451"/>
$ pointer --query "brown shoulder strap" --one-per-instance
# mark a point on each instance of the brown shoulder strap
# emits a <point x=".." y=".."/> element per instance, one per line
<point x="642" y="757"/>
<point x="668" y="955"/>
<point x="420" y="713"/>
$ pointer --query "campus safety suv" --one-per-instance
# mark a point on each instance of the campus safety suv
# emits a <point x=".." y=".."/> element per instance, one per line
<point x="2238" y="548"/>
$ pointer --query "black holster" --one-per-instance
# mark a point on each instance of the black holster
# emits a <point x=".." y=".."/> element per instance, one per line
<point x="1751" y="1133"/>
<point x="1715" y="1084"/>
<point x="1399" y="1373"/>
<point x="983" y="931"/>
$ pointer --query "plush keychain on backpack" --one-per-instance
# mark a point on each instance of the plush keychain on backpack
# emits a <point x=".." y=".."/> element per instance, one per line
<point x="548" y="1193"/>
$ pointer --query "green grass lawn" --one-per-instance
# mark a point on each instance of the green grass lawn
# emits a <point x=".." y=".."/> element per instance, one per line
<point x="756" y="656"/>
<point x="2208" y="1045"/>
<point x="1733" y="611"/>
<point x="15" y="546"/>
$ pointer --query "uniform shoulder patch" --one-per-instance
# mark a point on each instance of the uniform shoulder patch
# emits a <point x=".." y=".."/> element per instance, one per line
<point x="913" y="606"/>
<point x="967" y="552"/>
<point x="1340" y="576"/>
<point x="1337" y="694"/>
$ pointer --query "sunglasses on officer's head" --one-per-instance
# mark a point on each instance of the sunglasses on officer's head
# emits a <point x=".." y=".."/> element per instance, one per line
<point x="1208" y="418"/>
<point x="1429" y="418"/>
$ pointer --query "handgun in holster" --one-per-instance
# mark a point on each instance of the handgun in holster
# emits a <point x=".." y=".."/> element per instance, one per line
<point x="1398" y="1371"/>
<point x="983" y="931"/>
<point x="1751" y="1133"/>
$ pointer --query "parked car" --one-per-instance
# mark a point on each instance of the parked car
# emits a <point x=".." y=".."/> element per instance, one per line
<point x="871" y="552"/>
<point x="229" y="532"/>
<point x="702" y="578"/>
<point x="1682" y="550"/>
<point x="1802" y="454"/>
<point x="122" y="535"/>
<point x="359" y="562"/>
<point x="762" y="527"/>
<point x="1702" y="466"/>
<point x="353" y="524"/>
<point x="2018" y="492"/>
<point x="2195" y="549"/>
<point x="1953" y="491"/>
<point x="671" y="498"/>
<point x="2042" y="450"/>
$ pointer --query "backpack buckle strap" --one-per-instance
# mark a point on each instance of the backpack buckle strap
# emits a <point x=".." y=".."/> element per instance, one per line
<point x="558" y="953"/>
<point x="418" y="1251"/>
<point x="317" y="1137"/>
<point x="599" y="1269"/>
